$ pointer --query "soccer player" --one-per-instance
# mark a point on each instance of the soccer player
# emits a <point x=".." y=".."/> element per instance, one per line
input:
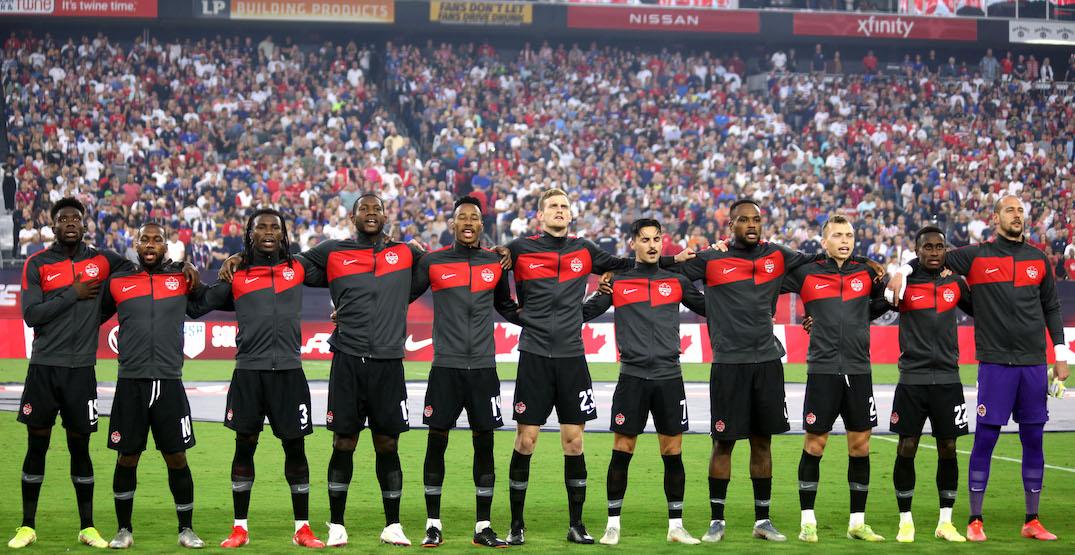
<point x="842" y="297"/>
<point x="647" y="301"/>
<point x="152" y="303"/>
<point x="268" y="380"/>
<point x="929" y="385"/>
<point x="551" y="271"/>
<point x="468" y="284"/>
<point x="1015" y="303"/>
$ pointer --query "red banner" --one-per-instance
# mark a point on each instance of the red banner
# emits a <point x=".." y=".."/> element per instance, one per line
<point x="81" y="8"/>
<point x="657" y="19"/>
<point x="885" y="27"/>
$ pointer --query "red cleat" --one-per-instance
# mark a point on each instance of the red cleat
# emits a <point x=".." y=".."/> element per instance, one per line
<point x="1035" y="530"/>
<point x="975" y="532"/>
<point x="238" y="538"/>
<point x="305" y="537"/>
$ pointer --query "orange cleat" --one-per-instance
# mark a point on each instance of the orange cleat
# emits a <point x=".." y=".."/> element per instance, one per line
<point x="238" y="538"/>
<point x="975" y="532"/>
<point x="305" y="537"/>
<point x="1035" y="530"/>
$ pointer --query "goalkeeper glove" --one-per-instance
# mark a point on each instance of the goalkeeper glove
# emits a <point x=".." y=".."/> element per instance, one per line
<point x="1056" y="388"/>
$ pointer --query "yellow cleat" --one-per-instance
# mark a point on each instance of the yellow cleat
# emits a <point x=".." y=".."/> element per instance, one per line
<point x="864" y="533"/>
<point x="906" y="533"/>
<point x="24" y="536"/>
<point x="947" y="532"/>
<point x="808" y="533"/>
<point x="91" y="537"/>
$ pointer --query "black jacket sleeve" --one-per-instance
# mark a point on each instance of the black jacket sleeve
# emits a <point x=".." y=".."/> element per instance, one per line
<point x="504" y="303"/>
<point x="1050" y="307"/>
<point x="878" y="305"/>
<point x="208" y="298"/>
<point x="692" y="297"/>
<point x="959" y="260"/>
<point x="36" y="311"/>
<point x="603" y="261"/>
<point x="316" y="276"/>
<point x="966" y="304"/>
<point x="595" y="306"/>
<point x="108" y="303"/>
<point x="693" y="269"/>
<point x="419" y="280"/>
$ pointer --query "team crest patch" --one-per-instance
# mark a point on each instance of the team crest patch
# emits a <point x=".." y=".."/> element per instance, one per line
<point x="810" y="418"/>
<point x="981" y="410"/>
<point x="856" y="285"/>
<point x="328" y="417"/>
<point x="27" y="409"/>
<point x="576" y="264"/>
<point x="719" y="426"/>
<point x="620" y="419"/>
<point x="664" y="289"/>
<point x="949" y="295"/>
<point x="520" y="407"/>
<point x="1031" y="272"/>
<point x="488" y="275"/>
<point x="115" y="437"/>
<point x="770" y="266"/>
<point x="288" y="274"/>
<point x="429" y="411"/>
<point x="895" y="417"/>
<point x="230" y="415"/>
<point x="391" y="257"/>
<point x="92" y="270"/>
<point x="172" y="283"/>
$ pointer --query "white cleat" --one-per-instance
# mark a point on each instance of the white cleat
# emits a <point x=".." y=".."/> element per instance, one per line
<point x="611" y="537"/>
<point x="393" y="534"/>
<point x="715" y="532"/>
<point x="190" y="540"/>
<point x="680" y="535"/>
<point x="337" y="535"/>
<point x="122" y="540"/>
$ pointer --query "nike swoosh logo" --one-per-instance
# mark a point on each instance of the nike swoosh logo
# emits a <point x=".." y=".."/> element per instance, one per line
<point x="991" y="270"/>
<point x="128" y="288"/>
<point x="447" y="276"/>
<point x="187" y="440"/>
<point x="533" y="266"/>
<point x="629" y="291"/>
<point x="915" y="298"/>
<point x="52" y="277"/>
<point x="821" y="286"/>
<point x="350" y="261"/>
<point x="251" y="280"/>
<point x="302" y="489"/>
<point x="412" y="345"/>
<point x="728" y="270"/>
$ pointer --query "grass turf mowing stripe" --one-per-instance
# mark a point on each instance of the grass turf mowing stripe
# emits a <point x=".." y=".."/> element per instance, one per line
<point x="961" y="452"/>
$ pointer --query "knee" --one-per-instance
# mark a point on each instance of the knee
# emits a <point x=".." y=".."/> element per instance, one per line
<point x="344" y="443"/>
<point x="525" y="443"/>
<point x="130" y="460"/>
<point x="671" y="449"/>
<point x="293" y="447"/>
<point x="572" y="445"/>
<point x="908" y="447"/>
<point x="723" y="448"/>
<point x="385" y="444"/>
<point x="625" y="444"/>
<point x="39" y="432"/>
<point x="176" y="461"/>
<point x="946" y="448"/>
<point x="815" y="445"/>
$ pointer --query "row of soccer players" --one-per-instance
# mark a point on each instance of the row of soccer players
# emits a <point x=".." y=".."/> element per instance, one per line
<point x="71" y="287"/>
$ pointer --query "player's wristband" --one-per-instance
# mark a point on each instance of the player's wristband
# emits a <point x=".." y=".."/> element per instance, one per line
<point x="1063" y="353"/>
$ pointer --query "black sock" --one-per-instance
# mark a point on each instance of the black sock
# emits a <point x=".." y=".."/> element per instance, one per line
<point x="433" y="471"/>
<point x="675" y="479"/>
<point x="182" y="485"/>
<point x="903" y="479"/>
<point x="82" y="477"/>
<point x="124" y="483"/>
<point x="616" y="481"/>
<point x="763" y="493"/>
<point x="484" y="475"/>
<point x="242" y="476"/>
<point x="947" y="481"/>
<point x="390" y="477"/>
<point x="33" y="474"/>
<point x="297" y="474"/>
<point x="340" y="469"/>
<point x="809" y="476"/>
<point x="858" y="479"/>
<point x="518" y="480"/>
<point x="575" y="480"/>
<point x="718" y="493"/>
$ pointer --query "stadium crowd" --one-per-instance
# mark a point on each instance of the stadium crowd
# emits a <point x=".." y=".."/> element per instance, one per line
<point x="197" y="132"/>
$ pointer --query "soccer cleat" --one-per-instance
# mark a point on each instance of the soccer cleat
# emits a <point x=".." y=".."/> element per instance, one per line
<point x="765" y="530"/>
<point x="611" y="537"/>
<point x="947" y="532"/>
<point x="975" y="533"/>
<point x="24" y="536"/>
<point x="715" y="533"/>
<point x="487" y="537"/>
<point x="91" y="537"/>
<point x="906" y="533"/>
<point x="808" y="533"/>
<point x="337" y="535"/>
<point x="190" y="540"/>
<point x="304" y="537"/>
<point x="122" y="540"/>
<point x="433" y="537"/>
<point x="517" y="535"/>
<point x="238" y="538"/>
<point x="1035" y="530"/>
<point x="578" y="534"/>
<point x="679" y="534"/>
<point x="393" y="534"/>
<point x="865" y="533"/>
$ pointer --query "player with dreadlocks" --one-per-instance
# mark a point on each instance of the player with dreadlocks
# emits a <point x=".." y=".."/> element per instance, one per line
<point x="268" y="378"/>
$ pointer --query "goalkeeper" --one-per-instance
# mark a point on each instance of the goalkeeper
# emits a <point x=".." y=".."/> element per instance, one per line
<point x="1015" y="301"/>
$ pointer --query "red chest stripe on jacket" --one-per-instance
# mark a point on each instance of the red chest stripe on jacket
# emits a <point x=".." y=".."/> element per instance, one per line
<point x="452" y="274"/>
<point x="856" y="285"/>
<point x="574" y="265"/>
<point x="1029" y="272"/>
<point x="346" y="263"/>
<point x="723" y="271"/>
<point x="948" y="297"/>
<point x="665" y="291"/>
<point x="161" y="286"/>
<point x="820" y="286"/>
<point x="990" y="269"/>
<point x="393" y="259"/>
<point x="287" y="277"/>
<point x="537" y="265"/>
<point x="251" y="279"/>
<point x="769" y="268"/>
<point x="920" y="296"/>
<point x="485" y="277"/>
<point x="60" y="274"/>
<point x="630" y="291"/>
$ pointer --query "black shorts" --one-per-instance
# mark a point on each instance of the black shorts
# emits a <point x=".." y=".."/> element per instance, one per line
<point x="366" y="388"/>
<point x="450" y="390"/>
<point x="636" y="398"/>
<point x="848" y="396"/>
<point x="943" y="404"/>
<point x="281" y="395"/>
<point x="70" y="392"/>
<point x="747" y="400"/>
<point x="544" y="383"/>
<point x="144" y="404"/>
